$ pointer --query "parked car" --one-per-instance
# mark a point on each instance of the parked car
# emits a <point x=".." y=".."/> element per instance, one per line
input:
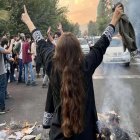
<point x="95" y="39"/>
<point x="84" y="45"/>
<point x="115" y="53"/>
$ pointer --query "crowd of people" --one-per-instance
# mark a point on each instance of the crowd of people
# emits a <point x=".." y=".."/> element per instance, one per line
<point x="19" y="62"/>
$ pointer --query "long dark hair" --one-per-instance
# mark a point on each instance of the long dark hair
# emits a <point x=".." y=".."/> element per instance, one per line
<point x="68" y="59"/>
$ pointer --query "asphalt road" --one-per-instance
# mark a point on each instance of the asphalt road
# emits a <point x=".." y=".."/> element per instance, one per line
<point x="116" y="88"/>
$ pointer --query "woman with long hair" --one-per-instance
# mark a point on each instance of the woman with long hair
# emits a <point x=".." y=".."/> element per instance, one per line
<point x="70" y="74"/>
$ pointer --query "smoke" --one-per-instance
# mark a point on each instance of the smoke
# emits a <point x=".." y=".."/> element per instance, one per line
<point x="134" y="14"/>
<point x="119" y="97"/>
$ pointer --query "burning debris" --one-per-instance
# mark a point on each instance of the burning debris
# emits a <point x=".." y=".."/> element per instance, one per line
<point x="18" y="131"/>
<point x="109" y="127"/>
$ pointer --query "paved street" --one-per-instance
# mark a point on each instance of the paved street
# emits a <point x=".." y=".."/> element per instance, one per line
<point x="27" y="103"/>
<point x="116" y="88"/>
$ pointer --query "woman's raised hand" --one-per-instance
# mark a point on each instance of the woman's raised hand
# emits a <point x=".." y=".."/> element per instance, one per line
<point x="117" y="15"/>
<point x="26" y="19"/>
<point x="25" y="16"/>
<point x="49" y="30"/>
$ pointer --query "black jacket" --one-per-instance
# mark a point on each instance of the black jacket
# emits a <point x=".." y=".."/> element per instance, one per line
<point x="91" y="62"/>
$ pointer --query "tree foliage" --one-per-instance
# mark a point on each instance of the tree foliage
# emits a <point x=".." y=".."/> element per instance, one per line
<point x="44" y="13"/>
<point x="77" y="30"/>
<point x="92" y="29"/>
<point x="67" y="26"/>
<point x="103" y="15"/>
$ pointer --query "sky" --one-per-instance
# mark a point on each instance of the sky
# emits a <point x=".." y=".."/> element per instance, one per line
<point x="81" y="11"/>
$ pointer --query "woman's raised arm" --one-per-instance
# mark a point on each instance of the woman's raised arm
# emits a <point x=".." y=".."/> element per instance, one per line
<point x="26" y="19"/>
<point x="44" y="51"/>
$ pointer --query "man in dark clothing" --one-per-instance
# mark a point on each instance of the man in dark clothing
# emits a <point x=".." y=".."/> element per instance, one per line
<point x="18" y="51"/>
<point x="49" y="107"/>
<point x="13" y="64"/>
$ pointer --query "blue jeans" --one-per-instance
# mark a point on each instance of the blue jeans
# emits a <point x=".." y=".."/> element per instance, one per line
<point x="7" y="78"/>
<point x="30" y="67"/>
<point x="20" y="70"/>
<point x="3" y="83"/>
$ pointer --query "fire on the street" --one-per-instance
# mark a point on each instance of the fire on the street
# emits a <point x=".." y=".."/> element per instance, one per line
<point x="110" y="129"/>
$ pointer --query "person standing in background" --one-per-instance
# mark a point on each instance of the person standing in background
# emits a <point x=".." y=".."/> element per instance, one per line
<point x="7" y="60"/>
<point x="3" y="78"/>
<point x="33" y="52"/>
<point x="18" y="51"/>
<point x="27" y="61"/>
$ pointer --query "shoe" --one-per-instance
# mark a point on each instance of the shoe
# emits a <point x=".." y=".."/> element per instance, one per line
<point x="38" y="76"/>
<point x="13" y="80"/>
<point x="34" y="83"/>
<point x="8" y="96"/>
<point x="3" y="111"/>
<point x="28" y="83"/>
<point x="20" y="82"/>
<point x="44" y="85"/>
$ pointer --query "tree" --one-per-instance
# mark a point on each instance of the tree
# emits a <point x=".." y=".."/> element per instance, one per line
<point x="44" y="13"/>
<point x="92" y="29"/>
<point x="67" y="26"/>
<point x="103" y="15"/>
<point x="77" y="30"/>
<point x="4" y="16"/>
<point x="85" y="34"/>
